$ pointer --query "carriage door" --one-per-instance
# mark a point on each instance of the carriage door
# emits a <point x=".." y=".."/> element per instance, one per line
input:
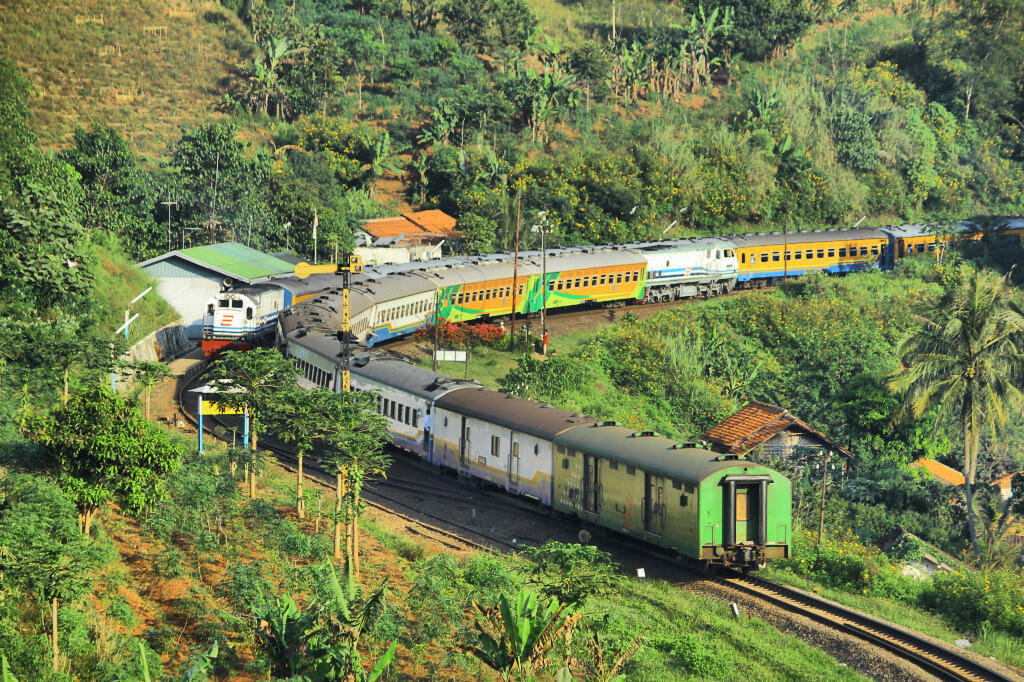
<point x="463" y="442"/>
<point x="654" y="504"/>
<point x="513" y="464"/>
<point x="591" y="484"/>
<point x="744" y="510"/>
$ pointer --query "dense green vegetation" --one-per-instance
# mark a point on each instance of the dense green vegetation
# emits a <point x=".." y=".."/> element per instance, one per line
<point x="703" y="117"/>
<point x="715" y="117"/>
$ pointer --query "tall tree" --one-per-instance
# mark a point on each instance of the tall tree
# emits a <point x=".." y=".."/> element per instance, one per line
<point x="106" y="450"/>
<point x="148" y="374"/>
<point x="300" y="418"/>
<point x="965" y="360"/>
<point x="118" y="196"/>
<point x="253" y="381"/>
<point x="44" y="551"/>
<point x="353" y="453"/>
<point x="218" y="180"/>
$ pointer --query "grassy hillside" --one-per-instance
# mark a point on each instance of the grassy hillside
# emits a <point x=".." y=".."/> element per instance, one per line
<point x="120" y="281"/>
<point x="145" y="67"/>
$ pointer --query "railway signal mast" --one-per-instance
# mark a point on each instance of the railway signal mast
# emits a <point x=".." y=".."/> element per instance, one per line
<point x="349" y="264"/>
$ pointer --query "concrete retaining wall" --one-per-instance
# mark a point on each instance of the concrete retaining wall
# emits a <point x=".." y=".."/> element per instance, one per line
<point x="163" y="345"/>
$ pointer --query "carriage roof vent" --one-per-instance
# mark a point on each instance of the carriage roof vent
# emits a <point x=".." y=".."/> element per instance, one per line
<point x="607" y="422"/>
<point x="361" y="361"/>
<point x="645" y="434"/>
<point x="727" y="457"/>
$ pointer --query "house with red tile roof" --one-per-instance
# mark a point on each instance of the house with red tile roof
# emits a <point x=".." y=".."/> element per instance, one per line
<point x="773" y="430"/>
<point x="419" y="227"/>
<point x="940" y="471"/>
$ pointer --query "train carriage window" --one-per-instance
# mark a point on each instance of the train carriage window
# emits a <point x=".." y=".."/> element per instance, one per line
<point x="604" y="279"/>
<point x="683" y="501"/>
<point x="586" y="281"/>
<point x="618" y="278"/>
<point x="831" y="253"/>
<point x="520" y="293"/>
<point x="821" y="253"/>
<point x="764" y="256"/>
<point x="551" y="285"/>
<point x="789" y="255"/>
<point x="743" y="258"/>
<point x="474" y="296"/>
<point x="560" y="449"/>
<point x="842" y="252"/>
<point x="809" y="254"/>
<point x="708" y="253"/>
<point x="798" y="255"/>
<point x="415" y="418"/>
<point x="577" y="284"/>
<point x="920" y="248"/>
<point x="630" y="469"/>
<point x="223" y="303"/>
<point x="236" y="303"/>
<point x="612" y="464"/>
<point x="863" y="250"/>
<point x="536" y="449"/>
<point x="775" y="256"/>
<point x="495" y="446"/>
<point x="386" y="404"/>
<point x="874" y="249"/>
<point x="248" y="313"/>
<point x="394" y="409"/>
<point x="560" y="283"/>
<point x="678" y="485"/>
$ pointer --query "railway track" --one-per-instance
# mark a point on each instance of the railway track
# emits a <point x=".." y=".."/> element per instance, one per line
<point x="935" y="658"/>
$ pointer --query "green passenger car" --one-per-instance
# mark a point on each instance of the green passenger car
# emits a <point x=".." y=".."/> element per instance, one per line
<point x="721" y="509"/>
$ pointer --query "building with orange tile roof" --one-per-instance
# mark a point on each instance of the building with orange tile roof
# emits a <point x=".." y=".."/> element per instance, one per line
<point x="771" y="428"/>
<point x="940" y="471"/>
<point x="431" y="226"/>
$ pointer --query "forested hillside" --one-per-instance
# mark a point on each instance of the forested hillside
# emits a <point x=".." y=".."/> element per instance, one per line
<point x="619" y="120"/>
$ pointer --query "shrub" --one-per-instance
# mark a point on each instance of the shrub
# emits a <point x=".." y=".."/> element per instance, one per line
<point x="699" y="660"/>
<point x="974" y="599"/>
<point x="842" y="562"/>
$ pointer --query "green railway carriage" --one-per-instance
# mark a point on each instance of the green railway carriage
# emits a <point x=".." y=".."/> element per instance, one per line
<point x="721" y="509"/>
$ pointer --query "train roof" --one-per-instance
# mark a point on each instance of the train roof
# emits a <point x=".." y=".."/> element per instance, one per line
<point x="651" y="453"/>
<point x="595" y="257"/>
<point x="405" y="376"/>
<point x="898" y="231"/>
<point x="511" y="412"/>
<point x="694" y="244"/>
<point x="778" y="238"/>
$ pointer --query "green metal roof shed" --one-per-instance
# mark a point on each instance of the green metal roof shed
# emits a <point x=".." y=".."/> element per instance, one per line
<point x="188" y="278"/>
<point x="228" y="259"/>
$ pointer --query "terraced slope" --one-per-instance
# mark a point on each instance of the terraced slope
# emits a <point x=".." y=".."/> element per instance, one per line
<point x="145" y="67"/>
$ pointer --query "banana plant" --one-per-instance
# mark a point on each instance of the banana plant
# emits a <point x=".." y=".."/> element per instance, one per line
<point x="517" y="638"/>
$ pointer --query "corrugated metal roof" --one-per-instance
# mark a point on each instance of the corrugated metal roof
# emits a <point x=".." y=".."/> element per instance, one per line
<point x="515" y="413"/>
<point x="757" y="422"/>
<point x="653" y="454"/>
<point x="230" y="259"/>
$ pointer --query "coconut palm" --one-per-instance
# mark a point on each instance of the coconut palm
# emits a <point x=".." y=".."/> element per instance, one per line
<point x="965" y="360"/>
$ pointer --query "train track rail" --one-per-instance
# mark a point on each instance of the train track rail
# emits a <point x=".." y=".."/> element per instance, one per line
<point x="933" y="657"/>
<point x="938" y="659"/>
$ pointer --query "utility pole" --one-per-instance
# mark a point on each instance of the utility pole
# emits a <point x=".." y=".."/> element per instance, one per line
<point x="437" y="327"/>
<point x="543" y="229"/>
<point x="168" y="204"/>
<point x="824" y="479"/>
<point x="515" y="267"/>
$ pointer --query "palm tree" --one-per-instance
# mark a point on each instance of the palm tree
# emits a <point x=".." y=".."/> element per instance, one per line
<point x="964" y="361"/>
